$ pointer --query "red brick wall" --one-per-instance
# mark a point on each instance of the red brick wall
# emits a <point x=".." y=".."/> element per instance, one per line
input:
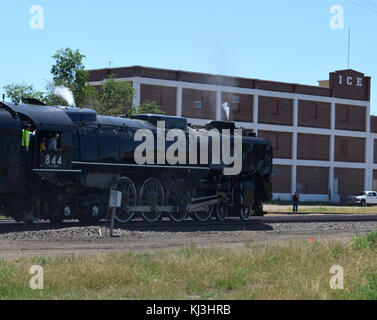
<point x="208" y="99"/>
<point x="275" y="111"/>
<point x="166" y="97"/>
<point x="314" y="114"/>
<point x="350" y="117"/>
<point x="350" y="180"/>
<point x="313" y="147"/>
<point x="281" y="143"/>
<point x="282" y="181"/>
<point x="312" y="180"/>
<point x="349" y="149"/>
<point x="373" y="124"/>
<point x="242" y="111"/>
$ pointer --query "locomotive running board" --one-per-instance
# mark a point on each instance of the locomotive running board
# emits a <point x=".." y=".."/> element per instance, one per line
<point x="57" y="170"/>
<point x="139" y="165"/>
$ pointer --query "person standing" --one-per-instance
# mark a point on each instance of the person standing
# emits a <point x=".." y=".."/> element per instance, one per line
<point x="295" y="198"/>
<point x="26" y="135"/>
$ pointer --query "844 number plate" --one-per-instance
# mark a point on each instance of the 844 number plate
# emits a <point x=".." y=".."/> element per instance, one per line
<point x="51" y="160"/>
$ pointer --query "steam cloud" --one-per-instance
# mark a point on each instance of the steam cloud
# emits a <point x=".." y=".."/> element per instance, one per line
<point x="226" y="108"/>
<point x="66" y="95"/>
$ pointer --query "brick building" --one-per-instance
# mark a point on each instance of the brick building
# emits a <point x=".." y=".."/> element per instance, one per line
<point x="324" y="139"/>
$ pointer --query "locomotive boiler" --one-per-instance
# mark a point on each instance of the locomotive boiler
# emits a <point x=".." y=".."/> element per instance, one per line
<point x="97" y="153"/>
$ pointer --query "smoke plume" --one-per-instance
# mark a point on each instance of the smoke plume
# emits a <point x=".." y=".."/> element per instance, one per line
<point x="226" y="108"/>
<point x="66" y="95"/>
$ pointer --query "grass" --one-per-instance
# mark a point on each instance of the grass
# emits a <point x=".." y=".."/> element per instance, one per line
<point x="294" y="270"/>
<point x="367" y="242"/>
<point x="306" y="203"/>
<point x="319" y="208"/>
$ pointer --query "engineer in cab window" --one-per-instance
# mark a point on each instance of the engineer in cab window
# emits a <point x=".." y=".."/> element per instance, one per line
<point x="52" y="143"/>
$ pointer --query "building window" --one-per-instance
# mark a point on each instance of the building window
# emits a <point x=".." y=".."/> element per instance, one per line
<point x="236" y="99"/>
<point x="198" y="104"/>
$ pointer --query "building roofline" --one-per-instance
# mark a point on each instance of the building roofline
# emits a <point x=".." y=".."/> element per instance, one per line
<point x="213" y="79"/>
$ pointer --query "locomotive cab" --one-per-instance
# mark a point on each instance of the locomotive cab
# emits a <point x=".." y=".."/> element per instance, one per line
<point x="10" y="158"/>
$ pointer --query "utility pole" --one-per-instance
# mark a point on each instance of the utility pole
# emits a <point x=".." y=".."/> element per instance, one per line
<point x="349" y="47"/>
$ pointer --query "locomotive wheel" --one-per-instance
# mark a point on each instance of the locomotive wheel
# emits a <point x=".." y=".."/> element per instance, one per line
<point x="179" y="196"/>
<point x="258" y="209"/>
<point x="129" y="198"/>
<point x="98" y="208"/>
<point x="95" y="211"/>
<point x="245" y="213"/>
<point x="221" y="211"/>
<point x="152" y="194"/>
<point x="56" y="217"/>
<point x="64" y="211"/>
<point x="206" y="213"/>
<point x="67" y="209"/>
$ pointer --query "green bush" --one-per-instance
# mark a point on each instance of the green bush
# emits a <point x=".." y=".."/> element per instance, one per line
<point x="367" y="242"/>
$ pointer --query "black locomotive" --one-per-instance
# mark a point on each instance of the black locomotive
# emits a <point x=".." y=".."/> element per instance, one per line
<point x="96" y="154"/>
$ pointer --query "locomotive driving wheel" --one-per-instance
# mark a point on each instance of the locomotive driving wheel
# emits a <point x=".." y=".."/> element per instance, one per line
<point x="245" y="213"/>
<point x="205" y="213"/>
<point x="179" y="196"/>
<point x="222" y="211"/>
<point x="258" y="208"/>
<point x="152" y="194"/>
<point x="129" y="198"/>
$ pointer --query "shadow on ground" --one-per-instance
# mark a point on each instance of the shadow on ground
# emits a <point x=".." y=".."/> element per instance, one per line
<point x="142" y="226"/>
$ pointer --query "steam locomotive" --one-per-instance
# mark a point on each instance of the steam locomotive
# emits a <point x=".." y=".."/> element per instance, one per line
<point x="96" y="154"/>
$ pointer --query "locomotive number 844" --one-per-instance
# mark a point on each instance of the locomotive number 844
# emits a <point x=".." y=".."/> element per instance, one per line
<point x="162" y="165"/>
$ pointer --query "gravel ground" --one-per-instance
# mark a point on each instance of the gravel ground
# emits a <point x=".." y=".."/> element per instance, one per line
<point x="98" y="233"/>
<point x="74" y="239"/>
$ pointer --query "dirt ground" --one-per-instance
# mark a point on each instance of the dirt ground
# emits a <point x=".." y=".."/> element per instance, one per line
<point x="84" y="240"/>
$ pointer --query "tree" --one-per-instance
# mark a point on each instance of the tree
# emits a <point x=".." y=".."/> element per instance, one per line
<point x="51" y="99"/>
<point x="146" y="107"/>
<point x="17" y="92"/>
<point x="115" y="97"/>
<point x="69" y="71"/>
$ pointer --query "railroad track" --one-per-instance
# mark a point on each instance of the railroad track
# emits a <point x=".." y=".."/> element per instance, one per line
<point x="231" y="224"/>
<point x="73" y="238"/>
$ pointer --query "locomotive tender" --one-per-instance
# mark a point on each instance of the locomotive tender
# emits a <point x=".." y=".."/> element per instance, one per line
<point x="96" y="154"/>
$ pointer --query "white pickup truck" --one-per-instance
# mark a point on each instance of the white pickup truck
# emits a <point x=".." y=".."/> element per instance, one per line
<point x="363" y="198"/>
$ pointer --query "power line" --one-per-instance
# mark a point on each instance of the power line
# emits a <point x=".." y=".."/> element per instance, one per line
<point x="367" y="5"/>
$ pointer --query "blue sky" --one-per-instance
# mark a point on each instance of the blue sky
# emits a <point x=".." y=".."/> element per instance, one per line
<point x="288" y="41"/>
